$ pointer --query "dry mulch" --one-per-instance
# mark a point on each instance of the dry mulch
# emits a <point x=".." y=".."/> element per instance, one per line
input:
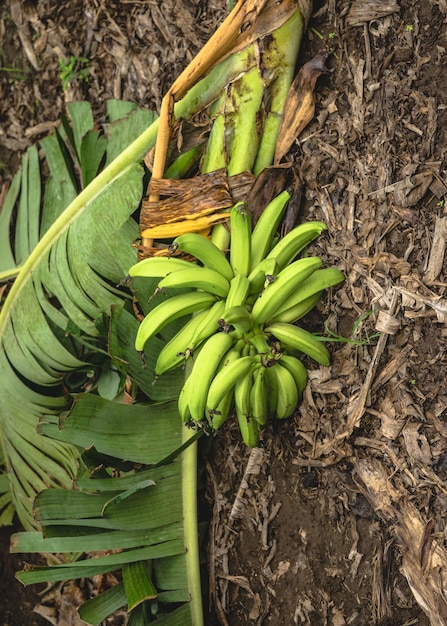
<point x="341" y="515"/>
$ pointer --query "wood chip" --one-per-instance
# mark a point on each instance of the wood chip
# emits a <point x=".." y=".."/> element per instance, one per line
<point x="437" y="251"/>
<point x="362" y="11"/>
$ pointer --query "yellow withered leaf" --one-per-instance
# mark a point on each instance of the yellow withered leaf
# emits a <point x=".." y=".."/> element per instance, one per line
<point x="176" y="228"/>
<point x="189" y="199"/>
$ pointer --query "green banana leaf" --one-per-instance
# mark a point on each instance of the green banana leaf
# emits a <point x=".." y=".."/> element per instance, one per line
<point x="68" y="263"/>
<point x="134" y="509"/>
<point x="67" y="328"/>
<point x="68" y="256"/>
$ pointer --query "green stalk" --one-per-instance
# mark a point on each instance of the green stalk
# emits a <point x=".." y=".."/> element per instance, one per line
<point x="190" y="520"/>
<point x="234" y="138"/>
<point x="242" y="120"/>
<point x="190" y="524"/>
<point x="215" y="153"/>
<point x="215" y="158"/>
<point x="278" y="61"/>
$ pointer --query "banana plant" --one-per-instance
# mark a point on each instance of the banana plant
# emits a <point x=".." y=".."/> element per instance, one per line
<point x="68" y="329"/>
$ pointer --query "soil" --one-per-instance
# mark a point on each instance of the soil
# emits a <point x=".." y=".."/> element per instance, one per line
<point x="342" y="516"/>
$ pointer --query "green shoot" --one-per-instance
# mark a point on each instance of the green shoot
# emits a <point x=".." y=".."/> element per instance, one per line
<point x="334" y="337"/>
<point x="77" y="67"/>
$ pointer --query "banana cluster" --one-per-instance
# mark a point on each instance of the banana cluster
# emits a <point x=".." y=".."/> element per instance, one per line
<point x="242" y="338"/>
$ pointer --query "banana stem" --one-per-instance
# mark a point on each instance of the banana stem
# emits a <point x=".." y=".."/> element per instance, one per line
<point x="278" y="60"/>
<point x="190" y="524"/>
<point x="190" y="520"/>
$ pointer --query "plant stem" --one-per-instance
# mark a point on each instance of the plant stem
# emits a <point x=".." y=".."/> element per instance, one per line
<point x="190" y="524"/>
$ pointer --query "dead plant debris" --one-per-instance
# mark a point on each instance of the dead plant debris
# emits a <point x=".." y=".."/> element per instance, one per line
<point x="342" y="521"/>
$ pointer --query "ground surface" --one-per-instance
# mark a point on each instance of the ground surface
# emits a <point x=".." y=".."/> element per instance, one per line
<point x="345" y="504"/>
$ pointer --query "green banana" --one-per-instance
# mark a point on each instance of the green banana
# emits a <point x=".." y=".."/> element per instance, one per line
<point x="294" y="242"/>
<point x="220" y="236"/>
<point x="272" y="388"/>
<point x="203" y="372"/>
<point x="296" y="312"/>
<point x="159" y="266"/>
<point x="210" y="324"/>
<point x="201" y="326"/>
<point x="170" y="310"/>
<point x="201" y="278"/>
<point x="242" y="390"/>
<point x="240" y="242"/>
<point x="317" y="282"/>
<point x="277" y="292"/>
<point x="259" y="401"/>
<point x="248" y="426"/>
<point x="261" y="275"/>
<point x="311" y="290"/>
<point x="238" y="317"/>
<point x="287" y="391"/>
<point x="205" y="251"/>
<point x="298" y="370"/>
<point x="238" y="292"/>
<point x="295" y="338"/>
<point x="175" y="352"/>
<point x="248" y="349"/>
<point x="219" y="416"/>
<point x="226" y="379"/>
<point x="183" y="403"/>
<point x="259" y="341"/>
<point x="266" y="228"/>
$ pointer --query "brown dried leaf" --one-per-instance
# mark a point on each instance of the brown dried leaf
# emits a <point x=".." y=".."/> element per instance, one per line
<point x="424" y="560"/>
<point x="268" y="184"/>
<point x="416" y="443"/>
<point x="192" y="198"/>
<point x="415" y="189"/>
<point x="299" y="107"/>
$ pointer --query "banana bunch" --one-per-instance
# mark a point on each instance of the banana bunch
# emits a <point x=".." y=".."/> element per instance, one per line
<point x="242" y="339"/>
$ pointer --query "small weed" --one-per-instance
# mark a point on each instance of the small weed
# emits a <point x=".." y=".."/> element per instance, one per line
<point x="357" y="342"/>
<point x="409" y="28"/>
<point x="440" y="203"/>
<point x="11" y="70"/>
<point x="330" y="38"/>
<point x="15" y="73"/>
<point x="76" y="67"/>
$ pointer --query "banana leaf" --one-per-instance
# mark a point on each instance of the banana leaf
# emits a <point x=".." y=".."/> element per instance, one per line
<point x="68" y="263"/>
<point x="132" y="522"/>
<point x="66" y="328"/>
